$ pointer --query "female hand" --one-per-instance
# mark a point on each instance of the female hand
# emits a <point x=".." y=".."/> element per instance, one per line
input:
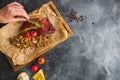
<point x="13" y="12"/>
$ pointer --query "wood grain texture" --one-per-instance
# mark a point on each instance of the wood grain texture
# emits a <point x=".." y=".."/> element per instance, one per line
<point x="66" y="26"/>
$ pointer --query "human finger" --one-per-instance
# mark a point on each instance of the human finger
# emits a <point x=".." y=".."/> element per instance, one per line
<point x="20" y="13"/>
<point x="15" y="4"/>
<point x="17" y="19"/>
<point x="15" y="8"/>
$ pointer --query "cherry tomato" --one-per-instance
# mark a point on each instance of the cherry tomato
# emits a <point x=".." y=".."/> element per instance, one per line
<point x="26" y="34"/>
<point x="34" y="68"/>
<point x="41" y="60"/>
<point x="33" y="33"/>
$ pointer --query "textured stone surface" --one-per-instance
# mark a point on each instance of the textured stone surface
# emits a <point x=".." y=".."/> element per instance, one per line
<point x="93" y="53"/>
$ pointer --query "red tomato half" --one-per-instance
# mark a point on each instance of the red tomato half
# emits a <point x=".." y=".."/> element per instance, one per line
<point x="26" y="34"/>
<point x="33" y="33"/>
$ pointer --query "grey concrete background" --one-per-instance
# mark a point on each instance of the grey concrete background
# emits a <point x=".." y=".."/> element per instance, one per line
<point x="92" y="53"/>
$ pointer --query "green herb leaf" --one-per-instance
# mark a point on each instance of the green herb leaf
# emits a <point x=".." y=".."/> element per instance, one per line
<point x="35" y="24"/>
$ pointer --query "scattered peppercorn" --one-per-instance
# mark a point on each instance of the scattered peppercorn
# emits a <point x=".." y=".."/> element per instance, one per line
<point x="81" y="18"/>
<point x="93" y="23"/>
<point x="72" y="15"/>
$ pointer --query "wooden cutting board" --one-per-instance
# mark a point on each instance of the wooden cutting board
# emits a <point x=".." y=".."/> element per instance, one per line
<point x="66" y="26"/>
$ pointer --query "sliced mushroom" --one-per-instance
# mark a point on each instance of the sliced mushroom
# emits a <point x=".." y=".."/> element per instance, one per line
<point x="34" y="40"/>
<point x="23" y="76"/>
